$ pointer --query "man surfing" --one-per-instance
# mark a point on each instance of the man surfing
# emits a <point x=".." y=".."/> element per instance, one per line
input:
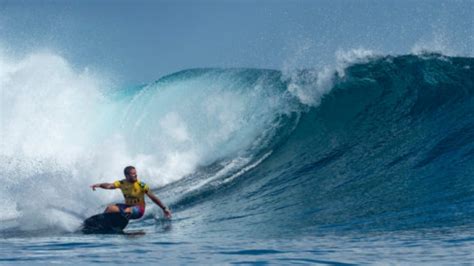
<point x="133" y="190"/>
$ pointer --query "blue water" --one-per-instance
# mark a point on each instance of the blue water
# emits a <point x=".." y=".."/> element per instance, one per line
<point x="376" y="168"/>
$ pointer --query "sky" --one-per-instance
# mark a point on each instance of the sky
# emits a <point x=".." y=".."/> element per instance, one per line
<point x="137" y="42"/>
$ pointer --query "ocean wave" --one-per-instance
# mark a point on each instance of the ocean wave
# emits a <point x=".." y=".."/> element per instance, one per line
<point x="378" y="143"/>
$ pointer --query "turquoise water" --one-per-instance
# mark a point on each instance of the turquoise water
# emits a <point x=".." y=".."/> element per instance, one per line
<point x="371" y="163"/>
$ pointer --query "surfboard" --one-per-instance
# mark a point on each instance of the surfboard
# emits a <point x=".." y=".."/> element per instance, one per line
<point x="105" y="223"/>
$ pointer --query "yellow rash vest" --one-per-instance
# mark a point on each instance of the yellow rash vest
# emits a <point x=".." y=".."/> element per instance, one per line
<point x="134" y="193"/>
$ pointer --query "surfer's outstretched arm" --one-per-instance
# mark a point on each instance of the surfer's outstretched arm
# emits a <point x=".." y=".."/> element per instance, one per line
<point x="104" y="186"/>
<point x="158" y="202"/>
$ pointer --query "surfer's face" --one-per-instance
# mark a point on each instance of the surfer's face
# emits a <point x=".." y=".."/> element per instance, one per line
<point x="132" y="175"/>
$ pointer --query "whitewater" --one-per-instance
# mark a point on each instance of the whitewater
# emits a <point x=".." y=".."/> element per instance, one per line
<point x="369" y="160"/>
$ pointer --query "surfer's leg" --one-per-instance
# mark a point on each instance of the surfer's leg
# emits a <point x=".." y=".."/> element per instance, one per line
<point x="112" y="208"/>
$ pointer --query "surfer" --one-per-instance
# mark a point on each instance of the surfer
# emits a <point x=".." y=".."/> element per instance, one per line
<point x="134" y="192"/>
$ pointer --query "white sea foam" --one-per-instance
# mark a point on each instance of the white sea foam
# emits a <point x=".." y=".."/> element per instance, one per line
<point x="310" y="86"/>
<point x="48" y="118"/>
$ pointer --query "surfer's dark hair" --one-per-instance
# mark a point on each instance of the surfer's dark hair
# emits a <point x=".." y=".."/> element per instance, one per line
<point x="127" y="170"/>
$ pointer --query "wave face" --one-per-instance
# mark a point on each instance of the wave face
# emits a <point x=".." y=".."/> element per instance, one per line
<point x="384" y="144"/>
<point x="389" y="148"/>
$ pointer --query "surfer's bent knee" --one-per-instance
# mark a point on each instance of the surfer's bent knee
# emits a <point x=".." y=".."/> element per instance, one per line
<point x="112" y="208"/>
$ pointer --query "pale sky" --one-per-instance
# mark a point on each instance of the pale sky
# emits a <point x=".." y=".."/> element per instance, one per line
<point x="139" y="41"/>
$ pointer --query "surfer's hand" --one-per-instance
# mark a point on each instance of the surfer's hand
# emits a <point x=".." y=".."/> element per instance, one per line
<point x="167" y="213"/>
<point x="94" y="186"/>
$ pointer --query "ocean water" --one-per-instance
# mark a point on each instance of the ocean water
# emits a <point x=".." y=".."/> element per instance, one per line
<point x="368" y="162"/>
